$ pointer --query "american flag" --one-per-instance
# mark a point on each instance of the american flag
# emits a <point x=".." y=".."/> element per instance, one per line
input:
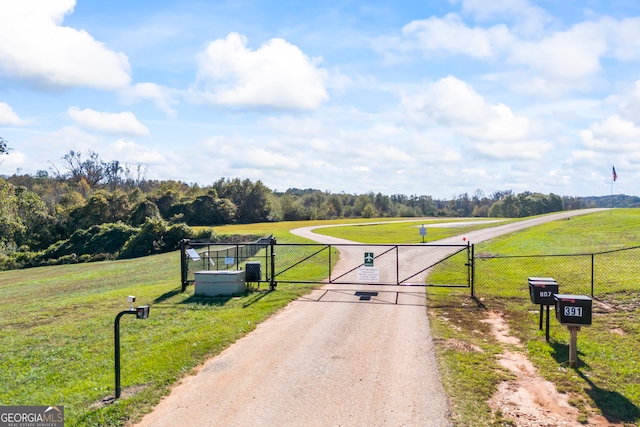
<point x="615" y="175"/>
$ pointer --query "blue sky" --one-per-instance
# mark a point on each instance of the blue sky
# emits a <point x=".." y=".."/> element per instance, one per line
<point x="434" y="97"/>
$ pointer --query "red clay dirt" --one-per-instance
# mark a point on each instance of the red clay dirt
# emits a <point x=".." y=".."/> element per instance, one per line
<point x="529" y="400"/>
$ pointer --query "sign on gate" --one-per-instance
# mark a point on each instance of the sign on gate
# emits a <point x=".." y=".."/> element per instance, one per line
<point x="368" y="259"/>
<point x="368" y="274"/>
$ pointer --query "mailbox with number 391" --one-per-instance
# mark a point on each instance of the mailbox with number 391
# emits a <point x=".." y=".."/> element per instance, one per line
<point x="573" y="309"/>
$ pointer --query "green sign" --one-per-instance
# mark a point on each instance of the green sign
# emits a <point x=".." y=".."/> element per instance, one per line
<point x="368" y="259"/>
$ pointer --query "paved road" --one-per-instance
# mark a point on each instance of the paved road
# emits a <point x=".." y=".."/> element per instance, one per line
<point x="328" y="359"/>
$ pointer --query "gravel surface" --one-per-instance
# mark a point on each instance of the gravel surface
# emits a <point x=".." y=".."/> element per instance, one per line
<point x="327" y="359"/>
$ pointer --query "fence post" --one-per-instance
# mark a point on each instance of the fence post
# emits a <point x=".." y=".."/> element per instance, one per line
<point x="329" y="264"/>
<point x="272" y="284"/>
<point x="183" y="263"/>
<point x="473" y="271"/>
<point x="397" y="266"/>
<point x="592" y="272"/>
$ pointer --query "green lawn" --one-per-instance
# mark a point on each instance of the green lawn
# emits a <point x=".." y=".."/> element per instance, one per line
<point x="407" y="231"/>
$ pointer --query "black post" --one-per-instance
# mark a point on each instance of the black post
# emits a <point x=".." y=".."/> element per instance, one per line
<point x="547" y="333"/>
<point x="329" y="264"/>
<point x="272" y="284"/>
<point x="183" y="263"/>
<point x="473" y="270"/>
<point x="541" y="315"/>
<point x="116" y="330"/>
<point x="397" y="266"/>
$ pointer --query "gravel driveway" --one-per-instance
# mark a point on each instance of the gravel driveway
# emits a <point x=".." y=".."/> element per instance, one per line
<point x="327" y="359"/>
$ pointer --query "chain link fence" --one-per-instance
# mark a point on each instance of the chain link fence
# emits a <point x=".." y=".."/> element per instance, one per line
<point x="599" y="274"/>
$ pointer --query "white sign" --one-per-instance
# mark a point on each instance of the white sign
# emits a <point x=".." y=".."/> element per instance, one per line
<point x="570" y="311"/>
<point x="368" y="274"/>
<point x="193" y="254"/>
<point x="423" y="231"/>
<point x="229" y="260"/>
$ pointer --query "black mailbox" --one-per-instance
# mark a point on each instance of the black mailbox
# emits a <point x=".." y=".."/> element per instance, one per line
<point x="573" y="309"/>
<point x="543" y="292"/>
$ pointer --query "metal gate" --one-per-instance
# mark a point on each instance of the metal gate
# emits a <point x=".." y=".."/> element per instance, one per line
<point x="267" y="261"/>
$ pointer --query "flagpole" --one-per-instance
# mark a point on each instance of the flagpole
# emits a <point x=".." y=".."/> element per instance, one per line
<point x="613" y="178"/>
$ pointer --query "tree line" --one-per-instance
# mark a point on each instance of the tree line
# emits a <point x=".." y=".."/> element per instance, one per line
<point x="86" y="209"/>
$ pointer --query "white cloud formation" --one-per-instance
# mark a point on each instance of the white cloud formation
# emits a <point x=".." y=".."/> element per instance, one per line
<point x="113" y="123"/>
<point x="129" y="152"/>
<point x="36" y="47"/>
<point x="538" y="61"/>
<point x="528" y="19"/>
<point x="9" y="117"/>
<point x="628" y="101"/>
<point x="526" y="150"/>
<point x="278" y="74"/>
<point x="452" y="35"/>
<point x="564" y="55"/>
<point x="453" y="103"/>
<point x="613" y="134"/>
<point x="162" y="96"/>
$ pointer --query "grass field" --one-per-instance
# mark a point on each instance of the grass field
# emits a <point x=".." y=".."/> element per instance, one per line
<point x="407" y="231"/>
<point x="56" y="329"/>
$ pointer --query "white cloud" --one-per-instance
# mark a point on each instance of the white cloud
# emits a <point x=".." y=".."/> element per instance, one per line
<point x="567" y="55"/>
<point x="278" y="74"/>
<point x="129" y="152"/>
<point x="112" y="123"/>
<point x="8" y="116"/>
<point x="35" y="47"/>
<point x="628" y="101"/>
<point x="162" y="96"/>
<point x="536" y="60"/>
<point x="527" y="150"/>
<point x="454" y="103"/>
<point x="529" y="19"/>
<point x="452" y="35"/>
<point x="613" y="134"/>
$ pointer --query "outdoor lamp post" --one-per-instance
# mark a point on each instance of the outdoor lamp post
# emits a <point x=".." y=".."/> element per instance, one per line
<point x="141" y="312"/>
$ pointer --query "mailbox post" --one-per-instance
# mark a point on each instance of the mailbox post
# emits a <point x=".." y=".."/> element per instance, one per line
<point x="573" y="311"/>
<point x="141" y="312"/>
<point x="541" y="291"/>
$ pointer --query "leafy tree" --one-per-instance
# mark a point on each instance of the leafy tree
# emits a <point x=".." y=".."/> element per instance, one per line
<point x="210" y="210"/>
<point x="10" y="222"/>
<point x="145" y="209"/>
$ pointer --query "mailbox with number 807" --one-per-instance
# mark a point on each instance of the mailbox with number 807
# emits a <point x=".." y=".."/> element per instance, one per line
<point x="573" y="309"/>
<point x="542" y="290"/>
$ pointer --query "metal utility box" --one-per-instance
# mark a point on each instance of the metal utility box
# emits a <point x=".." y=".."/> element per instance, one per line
<point x="211" y="283"/>
<point x="542" y="292"/>
<point x="573" y="310"/>
<point x="253" y="271"/>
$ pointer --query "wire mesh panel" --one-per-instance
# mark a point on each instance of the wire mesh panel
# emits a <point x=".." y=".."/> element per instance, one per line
<point x="597" y="274"/>
<point x="507" y="276"/>
<point x="369" y="264"/>
<point x="303" y="263"/>
<point x="616" y="271"/>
